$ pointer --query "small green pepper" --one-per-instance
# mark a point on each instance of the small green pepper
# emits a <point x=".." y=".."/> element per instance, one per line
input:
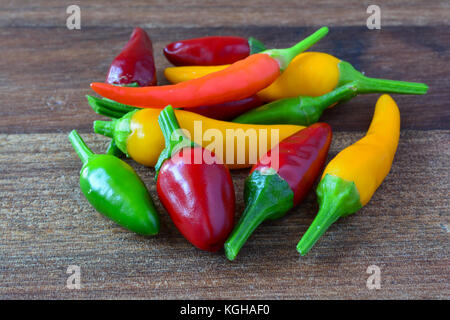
<point x="114" y="189"/>
<point x="299" y="110"/>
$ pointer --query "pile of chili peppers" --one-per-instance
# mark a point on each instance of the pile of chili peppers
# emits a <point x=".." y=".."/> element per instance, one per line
<point x="233" y="83"/>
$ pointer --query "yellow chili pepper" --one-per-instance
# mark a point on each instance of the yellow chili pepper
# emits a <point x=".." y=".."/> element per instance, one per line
<point x="138" y="135"/>
<point x="310" y="74"/>
<point x="180" y="74"/>
<point x="351" y="178"/>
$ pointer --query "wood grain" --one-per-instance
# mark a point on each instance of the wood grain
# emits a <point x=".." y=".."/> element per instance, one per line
<point x="46" y="224"/>
<point x="50" y="100"/>
<point x="213" y="13"/>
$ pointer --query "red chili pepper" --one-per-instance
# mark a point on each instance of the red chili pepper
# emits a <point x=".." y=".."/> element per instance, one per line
<point x="197" y="193"/>
<point x="241" y="80"/>
<point x="135" y="63"/>
<point x="280" y="181"/>
<point x="211" y="51"/>
<point x="225" y="111"/>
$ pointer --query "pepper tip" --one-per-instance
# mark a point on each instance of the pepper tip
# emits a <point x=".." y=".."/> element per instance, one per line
<point x="229" y="252"/>
<point x="301" y="250"/>
<point x="324" y="29"/>
<point x="96" y="85"/>
<point x="72" y="133"/>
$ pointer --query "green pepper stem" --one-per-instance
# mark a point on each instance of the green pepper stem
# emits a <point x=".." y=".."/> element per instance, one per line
<point x="99" y="109"/>
<point x="117" y="106"/>
<point x="132" y="84"/>
<point x="105" y="128"/>
<point x="284" y="56"/>
<point x="109" y="108"/>
<point x="117" y="129"/>
<point x="251" y="218"/>
<point x="255" y="45"/>
<point x="267" y="196"/>
<point x="327" y="215"/>
<point x="374" y="85"/>
<point x="337" y="198"/>
<point x="342" y="93"/>
<point x="299" y="111"/>
<point x="310" y="109"/>
<point x="169" y="126"/>
<point x="80" y="146"/>
<point x="113" y="149"/>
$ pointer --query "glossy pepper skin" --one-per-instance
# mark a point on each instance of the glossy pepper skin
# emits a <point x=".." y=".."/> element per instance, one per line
<point x="280" y="180"/>
<point x="207" y="51"/>
<point x="352" y="177"/>
<point x="300" y="110"/>
<point x="135" y="63"/>
<point x="114" y="189"/>
<point x="137" y="133"/>
<point x="197" y="192"/>
<point x="316" y="73"/>
<point x="309" y="74"/>
<point x="221" y="111"/>
<point x="241" y="80"/>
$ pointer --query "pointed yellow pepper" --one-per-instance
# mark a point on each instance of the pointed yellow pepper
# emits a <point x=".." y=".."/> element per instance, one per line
<point x="351" y="178"/>
<point x="138" y="135"/>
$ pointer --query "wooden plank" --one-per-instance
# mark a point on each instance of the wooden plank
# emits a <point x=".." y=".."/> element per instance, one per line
<point x="200" y="13"/>
<point x="46" y="71"/>
<point x="47" y="225"/>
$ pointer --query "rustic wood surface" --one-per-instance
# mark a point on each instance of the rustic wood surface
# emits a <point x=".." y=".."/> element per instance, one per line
<point x="46" y="224"/>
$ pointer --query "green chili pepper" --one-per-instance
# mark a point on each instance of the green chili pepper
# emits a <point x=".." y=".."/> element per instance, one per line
<point x="299" y="110"/>
<point x="114" y="189"/>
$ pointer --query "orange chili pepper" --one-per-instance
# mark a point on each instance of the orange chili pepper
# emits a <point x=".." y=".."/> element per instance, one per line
<point x="241" y="80"/>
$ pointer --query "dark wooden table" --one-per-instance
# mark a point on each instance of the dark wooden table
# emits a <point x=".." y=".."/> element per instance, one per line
<point x="46" y="224"/>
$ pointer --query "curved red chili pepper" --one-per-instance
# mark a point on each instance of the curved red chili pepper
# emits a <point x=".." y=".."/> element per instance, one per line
<point x="300" y="158"/>
<point x="241" y="80"/>
<point x="210" y="51"/>
<point x="198" y="196"/>
<point x="135" y="62"/>
<point x="280" y="181"/>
